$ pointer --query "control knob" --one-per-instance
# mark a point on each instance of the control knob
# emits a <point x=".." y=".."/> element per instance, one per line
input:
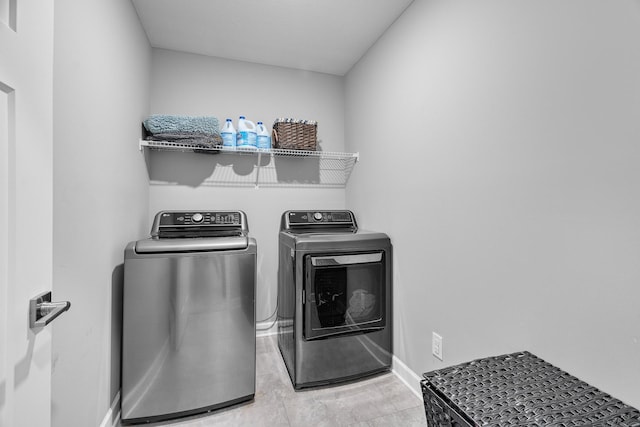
<point x="197" y="217"/>
<point x="317" y="216"/>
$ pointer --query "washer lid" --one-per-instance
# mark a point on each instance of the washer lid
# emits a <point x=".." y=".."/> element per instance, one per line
<point x="202" y="244"/>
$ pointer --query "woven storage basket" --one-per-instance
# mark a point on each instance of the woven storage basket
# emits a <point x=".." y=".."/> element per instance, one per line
<point x="293" y="134"/>
<point x="515" y="390"/>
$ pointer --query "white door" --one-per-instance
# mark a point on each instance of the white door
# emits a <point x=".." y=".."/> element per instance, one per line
<point x="26" y="88"/>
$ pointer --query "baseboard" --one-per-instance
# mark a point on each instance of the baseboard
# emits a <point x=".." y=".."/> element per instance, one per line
<point x="112" y="417"/>
<point x="407" y="376"/>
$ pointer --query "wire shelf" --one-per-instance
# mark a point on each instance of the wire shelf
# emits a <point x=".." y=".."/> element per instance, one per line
<point x="271" y="167"/>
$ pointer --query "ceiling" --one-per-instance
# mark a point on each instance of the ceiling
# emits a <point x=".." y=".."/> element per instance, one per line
<point x="327" y="36"/>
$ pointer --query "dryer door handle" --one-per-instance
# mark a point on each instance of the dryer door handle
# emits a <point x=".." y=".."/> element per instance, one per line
<point x="346" y="259"/>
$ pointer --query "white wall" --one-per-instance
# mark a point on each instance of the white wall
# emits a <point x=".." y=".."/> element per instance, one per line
<point x="187" y="84"/>
<point x="506" y="137"/>
<point x="101" y="67"/>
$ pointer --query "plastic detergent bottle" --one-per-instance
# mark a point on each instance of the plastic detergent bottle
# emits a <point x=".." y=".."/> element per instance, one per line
<point x="228" y="134"/>
<point x="246" y="133"/>
<point x="263" y="140"/>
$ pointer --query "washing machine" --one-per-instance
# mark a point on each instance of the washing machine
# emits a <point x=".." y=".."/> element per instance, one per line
<point x="334" y="298"/>
<point x="188" y="341"/>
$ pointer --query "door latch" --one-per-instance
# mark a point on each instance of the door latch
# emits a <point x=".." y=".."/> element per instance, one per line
<point x="42" y="311"/>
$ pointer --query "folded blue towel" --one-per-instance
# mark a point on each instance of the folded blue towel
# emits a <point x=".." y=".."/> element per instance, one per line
<point x="188" y="138"/>
<point x="158" y="123"/>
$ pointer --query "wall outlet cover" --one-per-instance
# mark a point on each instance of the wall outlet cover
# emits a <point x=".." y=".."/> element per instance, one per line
<point x="436" y="345"/>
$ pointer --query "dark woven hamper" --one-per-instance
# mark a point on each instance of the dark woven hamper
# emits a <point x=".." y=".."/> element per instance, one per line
<point x="518" y="389"/>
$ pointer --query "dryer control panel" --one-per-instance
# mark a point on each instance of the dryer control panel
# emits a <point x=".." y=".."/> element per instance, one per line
<point x="318" y="219"/>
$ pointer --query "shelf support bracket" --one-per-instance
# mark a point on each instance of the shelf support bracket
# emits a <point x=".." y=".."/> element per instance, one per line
<point x="258" y="169"/>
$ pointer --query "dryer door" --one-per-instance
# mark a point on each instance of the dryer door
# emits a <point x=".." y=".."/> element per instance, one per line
<point x="344" y="293"/>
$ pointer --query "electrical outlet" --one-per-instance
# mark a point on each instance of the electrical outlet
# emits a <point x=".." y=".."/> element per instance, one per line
<point x="436" y="345"/>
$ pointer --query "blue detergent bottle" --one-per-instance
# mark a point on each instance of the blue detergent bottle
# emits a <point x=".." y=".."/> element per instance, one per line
<point x="228" y="134"/>
<point x="246" y="133"/>
<point x="263" y="137"/>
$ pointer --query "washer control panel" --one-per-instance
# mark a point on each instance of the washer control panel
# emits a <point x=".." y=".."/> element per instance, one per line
<point x="175" y="224"/>
<point x="318" y="219"/>
<point x="199" y="218"/>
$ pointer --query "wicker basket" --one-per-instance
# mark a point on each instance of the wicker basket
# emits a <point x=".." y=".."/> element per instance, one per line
<point x="518" y="389"/>
<point x="294" y="134"/>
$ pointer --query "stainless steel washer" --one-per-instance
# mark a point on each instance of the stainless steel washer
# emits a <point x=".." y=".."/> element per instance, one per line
<point x="189" y="316"/>
<point x="334" y="298"/>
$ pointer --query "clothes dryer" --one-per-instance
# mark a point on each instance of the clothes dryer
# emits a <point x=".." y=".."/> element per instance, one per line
<point x="334" y="298"/>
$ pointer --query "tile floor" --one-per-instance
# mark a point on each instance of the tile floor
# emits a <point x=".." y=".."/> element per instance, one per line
<point x="382" y="400"/>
